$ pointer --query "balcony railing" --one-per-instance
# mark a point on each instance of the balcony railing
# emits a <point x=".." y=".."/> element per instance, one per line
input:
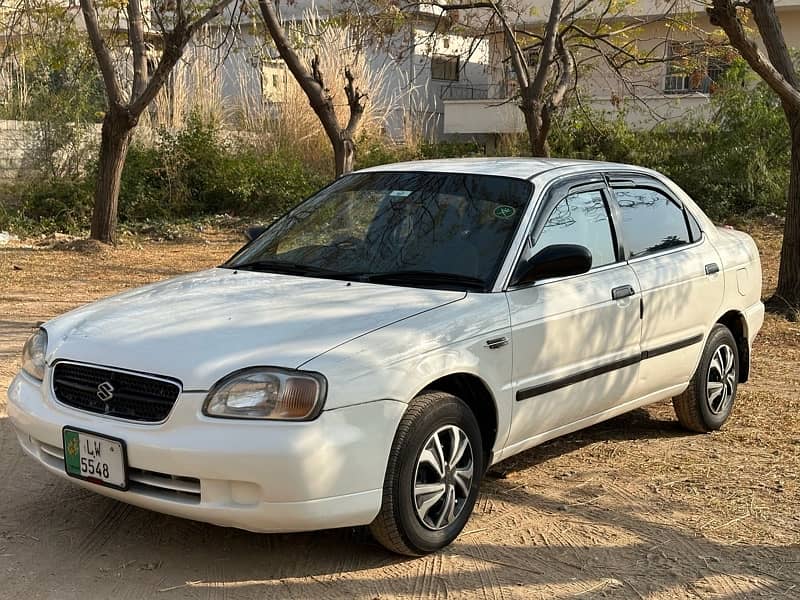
<point x="474" y="92"/>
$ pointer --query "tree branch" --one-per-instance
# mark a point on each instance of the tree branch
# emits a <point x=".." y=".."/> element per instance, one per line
<point x="355" y="101"/>
<point x="769" y="26"/>
<point x="309" y="82"/>
<point x="101" y="52"/>
<point x="213" y="12"/>
<point x="722" y="13"/>
<point x="136" y="39"/>
<point x="565" y="62"/>
<point x="174" y="45"/>
<point x="548" y="47"/>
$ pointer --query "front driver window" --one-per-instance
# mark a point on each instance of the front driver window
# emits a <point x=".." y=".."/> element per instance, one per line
<point x="581" y="219"/>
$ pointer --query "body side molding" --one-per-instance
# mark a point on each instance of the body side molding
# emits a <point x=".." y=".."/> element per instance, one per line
<point x="563" y="382"/>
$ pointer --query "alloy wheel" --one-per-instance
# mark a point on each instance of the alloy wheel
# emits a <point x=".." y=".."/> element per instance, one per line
<point x="721" y="380"/>
<point x="443" y="477"/>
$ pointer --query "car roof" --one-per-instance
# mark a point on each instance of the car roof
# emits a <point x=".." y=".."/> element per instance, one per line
<point x="519" y="168"/>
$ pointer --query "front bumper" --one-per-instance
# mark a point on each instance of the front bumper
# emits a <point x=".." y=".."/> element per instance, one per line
<point x="264" y="476"/>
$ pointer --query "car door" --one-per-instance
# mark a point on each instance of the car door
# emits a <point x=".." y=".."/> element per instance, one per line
<point x="678" y="272"/>
<point x="575" y="339"/>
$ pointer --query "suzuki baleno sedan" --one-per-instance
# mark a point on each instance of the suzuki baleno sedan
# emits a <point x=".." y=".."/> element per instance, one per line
<point x="367" y="357"/>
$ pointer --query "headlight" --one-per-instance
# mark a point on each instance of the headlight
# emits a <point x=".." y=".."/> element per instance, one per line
<point x="267" y="393"/>
<point x="33" y="352"/>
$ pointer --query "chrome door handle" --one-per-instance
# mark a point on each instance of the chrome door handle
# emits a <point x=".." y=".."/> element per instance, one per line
<point x="712" y="268"/>
<point x="623" y="291"/>
<point x="496" y="343"/>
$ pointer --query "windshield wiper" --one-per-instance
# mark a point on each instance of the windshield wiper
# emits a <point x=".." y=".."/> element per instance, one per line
<point x="281" y="266"/>
<point x="407" y="277"/>
<point x="412" y="277"/>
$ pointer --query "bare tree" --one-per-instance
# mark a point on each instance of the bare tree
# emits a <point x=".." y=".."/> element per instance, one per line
<point x="546" y="58"/>
<point x="777" y="69"/>
<point x="310" y="79"/>
<point x="125" y="107"/>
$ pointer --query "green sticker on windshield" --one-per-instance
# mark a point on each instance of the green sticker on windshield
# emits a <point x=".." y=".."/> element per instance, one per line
<point x="504" y="211"/>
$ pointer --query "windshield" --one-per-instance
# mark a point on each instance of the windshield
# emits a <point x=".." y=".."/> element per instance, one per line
<point x="429" y="229"/>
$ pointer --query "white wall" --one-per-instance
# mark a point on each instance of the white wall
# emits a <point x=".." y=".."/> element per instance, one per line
<point x="414" y="99"/>
<point x="471" y="117"/>
<point x="21" y="152"/>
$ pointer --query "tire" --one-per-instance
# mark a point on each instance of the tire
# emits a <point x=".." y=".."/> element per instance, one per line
<point x="708" y="401"/>
<point x="414" y="519"/>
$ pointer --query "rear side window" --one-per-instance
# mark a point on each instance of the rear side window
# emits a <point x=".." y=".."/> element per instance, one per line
<point x="651" y="221"/>
<point x="580" y="218"/>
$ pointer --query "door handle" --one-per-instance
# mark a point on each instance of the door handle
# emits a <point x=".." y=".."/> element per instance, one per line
<point x="496" y="343"/>
<point x="623" y="291"/>
<point x="712" y="268"/>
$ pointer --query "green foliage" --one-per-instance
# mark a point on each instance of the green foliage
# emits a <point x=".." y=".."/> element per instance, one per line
<point x="374" y="152"/>
<point x="736" y="163"/>
<point x="190" y="174"/>
<point x="50" y="205"/>
<point x="51" y="71"/>
<point x="197" y="171"/>
<point x="53" y="81"/>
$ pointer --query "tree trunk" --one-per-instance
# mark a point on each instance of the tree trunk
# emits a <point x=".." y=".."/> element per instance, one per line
<point x="114" y="142"/>
<point x="540" y="147"/>
<point x="537" y="132"/>
<point x="344" y="154"/>
<point x="789" y="274"/>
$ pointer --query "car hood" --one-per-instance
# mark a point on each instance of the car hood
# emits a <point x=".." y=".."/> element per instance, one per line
<point x="202" y="326"/>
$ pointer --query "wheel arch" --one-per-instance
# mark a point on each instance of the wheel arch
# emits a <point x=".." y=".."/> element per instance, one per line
<point x="736" y="322"/>
<point x="478" y="396"/>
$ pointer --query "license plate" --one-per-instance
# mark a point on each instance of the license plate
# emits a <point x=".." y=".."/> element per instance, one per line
<point x="96" y="458"/>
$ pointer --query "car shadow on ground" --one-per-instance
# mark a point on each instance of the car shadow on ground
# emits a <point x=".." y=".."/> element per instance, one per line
<point x="56" y="536"/>
<point x="638" y="424"/>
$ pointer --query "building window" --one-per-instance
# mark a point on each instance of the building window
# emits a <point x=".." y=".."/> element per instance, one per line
<point x="692" y="68"/>
<point x="275" y="81"/>
<point x="444" y="67"/>
<point x="531" y="55"/>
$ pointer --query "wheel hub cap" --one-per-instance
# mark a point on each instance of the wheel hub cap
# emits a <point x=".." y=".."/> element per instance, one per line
<point x="721" y="380"/>
<point x="443" y="477"/>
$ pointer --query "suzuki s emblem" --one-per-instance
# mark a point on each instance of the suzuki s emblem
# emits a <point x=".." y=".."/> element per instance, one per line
<point x="105" y="391"/>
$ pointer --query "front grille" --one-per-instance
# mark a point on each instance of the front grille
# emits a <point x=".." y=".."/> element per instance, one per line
<point x="134" y="397"/>
<point x="162" y="485"/>
<point x="174" y="488"/>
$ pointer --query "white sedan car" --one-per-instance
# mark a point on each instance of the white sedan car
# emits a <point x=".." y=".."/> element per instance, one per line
<point x="369" y="355"/>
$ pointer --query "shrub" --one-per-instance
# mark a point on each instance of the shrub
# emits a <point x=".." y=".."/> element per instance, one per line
<point x="375" y="151"/>
<point x="202" y="170"/>
<point x="737" y="162"/>
<point x="49" y="205"/>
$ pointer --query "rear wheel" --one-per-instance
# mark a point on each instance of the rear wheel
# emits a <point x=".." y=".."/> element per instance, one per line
<point x="708" y="401"/>
<point x="433" y="476"/>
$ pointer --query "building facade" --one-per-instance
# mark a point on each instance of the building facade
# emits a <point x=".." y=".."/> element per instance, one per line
<point x="688" y="61"/>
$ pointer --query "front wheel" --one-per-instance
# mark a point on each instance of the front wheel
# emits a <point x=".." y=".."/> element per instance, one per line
<point x="433" y="476"/>
<point x="708" y="401"/>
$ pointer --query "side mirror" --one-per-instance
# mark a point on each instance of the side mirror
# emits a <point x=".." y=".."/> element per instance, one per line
<point x="558" y="260"/>
<point x="253" y="232"/>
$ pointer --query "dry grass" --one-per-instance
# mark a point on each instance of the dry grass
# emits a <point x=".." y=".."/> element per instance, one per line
<point x="286" y="122"/>
<point x="632" y="508"/>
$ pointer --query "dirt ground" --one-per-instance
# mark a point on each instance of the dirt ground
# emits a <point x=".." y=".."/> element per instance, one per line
<point x="632" y="508"/>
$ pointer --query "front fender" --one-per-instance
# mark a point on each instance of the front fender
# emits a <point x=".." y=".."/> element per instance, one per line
<point x="398" y="361"/>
